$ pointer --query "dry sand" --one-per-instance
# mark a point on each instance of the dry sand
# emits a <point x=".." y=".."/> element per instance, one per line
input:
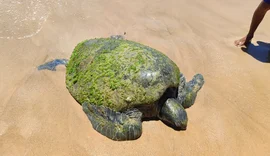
<point x="39" y="117"/>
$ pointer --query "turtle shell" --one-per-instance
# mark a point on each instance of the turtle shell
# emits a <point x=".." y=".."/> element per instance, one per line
<point x="119" y="74"/>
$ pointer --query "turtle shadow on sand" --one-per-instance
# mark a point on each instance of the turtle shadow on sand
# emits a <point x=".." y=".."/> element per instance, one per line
<point x="164" y="122"/>
<point x="121" y="83"/>
<point x="260" y="52"/>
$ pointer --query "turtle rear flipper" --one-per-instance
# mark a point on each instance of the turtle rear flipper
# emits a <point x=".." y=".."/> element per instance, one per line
<point x="52" y="64"/>
<point x="114" y="125"/>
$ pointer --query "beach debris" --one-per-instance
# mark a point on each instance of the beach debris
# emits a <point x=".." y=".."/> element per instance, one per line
<point x="118" y="37"/>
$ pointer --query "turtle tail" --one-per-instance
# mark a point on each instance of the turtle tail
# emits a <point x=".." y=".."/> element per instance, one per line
<point x="114" y="125"/>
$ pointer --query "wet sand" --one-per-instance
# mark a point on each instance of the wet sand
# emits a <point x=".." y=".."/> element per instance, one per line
<point x="38" y="116"/>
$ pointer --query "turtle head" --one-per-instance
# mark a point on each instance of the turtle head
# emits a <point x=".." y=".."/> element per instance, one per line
<point x="174" y="114"/>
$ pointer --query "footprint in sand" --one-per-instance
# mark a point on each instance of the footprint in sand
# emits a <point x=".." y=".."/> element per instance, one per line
<point x="3" y="127"/>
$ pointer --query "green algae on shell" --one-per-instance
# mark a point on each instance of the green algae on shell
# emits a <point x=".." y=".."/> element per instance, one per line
<point x="119" y="74"/>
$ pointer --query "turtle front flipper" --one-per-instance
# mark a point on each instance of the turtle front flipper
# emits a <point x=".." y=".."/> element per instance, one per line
<point x="173" y="113"/>
<point x="181" y="89"/>
<point x="188" y="93"/>
<point x="114" y="125"/>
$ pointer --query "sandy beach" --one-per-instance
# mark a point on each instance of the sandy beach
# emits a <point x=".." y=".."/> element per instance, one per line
<point x="39" y="117"/>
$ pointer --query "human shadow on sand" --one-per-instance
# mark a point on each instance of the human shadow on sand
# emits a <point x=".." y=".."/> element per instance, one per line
<point x="260" y="52"/>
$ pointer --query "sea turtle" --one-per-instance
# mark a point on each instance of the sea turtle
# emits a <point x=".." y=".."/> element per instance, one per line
<point x="120" y="83"/>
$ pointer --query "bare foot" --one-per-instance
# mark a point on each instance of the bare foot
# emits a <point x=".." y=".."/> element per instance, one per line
<point x="243" y="41"/>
